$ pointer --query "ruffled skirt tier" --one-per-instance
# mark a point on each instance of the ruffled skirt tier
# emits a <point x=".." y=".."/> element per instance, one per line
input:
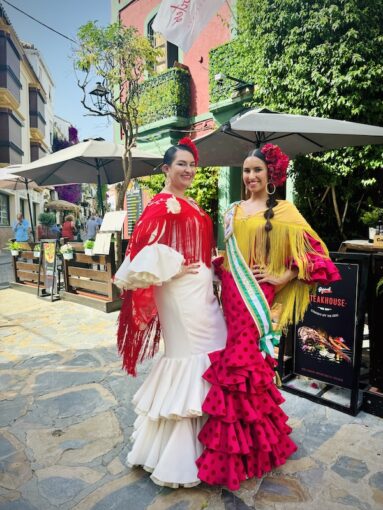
<point x="169" y="408"/>
<point x="169" y="403"/>
<point x="246" y="434"/>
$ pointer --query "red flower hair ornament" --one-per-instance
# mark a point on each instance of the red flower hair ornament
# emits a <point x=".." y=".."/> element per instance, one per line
<point x="277" y="163"/>
<point x="187" y="142"/>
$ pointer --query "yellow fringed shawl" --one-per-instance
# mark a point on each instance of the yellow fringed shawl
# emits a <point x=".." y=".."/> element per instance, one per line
<point x="287" y="245"/>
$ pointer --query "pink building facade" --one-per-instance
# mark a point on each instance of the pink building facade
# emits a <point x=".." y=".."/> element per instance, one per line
<point x="199" y="119"/>
<point x="178" y="98"/>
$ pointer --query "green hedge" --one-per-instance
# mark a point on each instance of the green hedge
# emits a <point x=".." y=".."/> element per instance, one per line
<point x="230" y="58"/>
<point x="166" y="95"/>
<point x="319" y="58"/>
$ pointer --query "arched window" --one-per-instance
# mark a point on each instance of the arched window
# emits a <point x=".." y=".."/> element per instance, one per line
<point x="170" y="53"/>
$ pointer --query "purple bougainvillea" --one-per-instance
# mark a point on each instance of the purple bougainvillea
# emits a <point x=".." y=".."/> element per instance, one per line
<point x="59" y="143"/>
<point x="69" y="192"/>
<point x="73" y="138"/>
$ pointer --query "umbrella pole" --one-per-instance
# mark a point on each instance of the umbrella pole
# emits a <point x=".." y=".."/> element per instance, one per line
<point x="30" y="211"/>
<point x="258" y="140"/>
<point x="99" y="190"/>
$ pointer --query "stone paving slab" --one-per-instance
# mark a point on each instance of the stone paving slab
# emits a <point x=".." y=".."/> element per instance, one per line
<point x="66" y="420"/>
<point x="32" y="326"/>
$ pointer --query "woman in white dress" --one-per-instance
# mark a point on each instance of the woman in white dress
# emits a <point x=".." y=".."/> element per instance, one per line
<point x="168" y="291"/>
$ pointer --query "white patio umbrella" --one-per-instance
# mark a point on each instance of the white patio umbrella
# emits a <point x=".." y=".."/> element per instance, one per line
<point x="295" y="134"/>
<point x="8" y="180"/>
<point x="93" y="161"/>
<point x="88" y="162"/>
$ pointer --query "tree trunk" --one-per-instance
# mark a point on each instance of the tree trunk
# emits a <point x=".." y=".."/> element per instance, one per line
<point x="336" y="210"/>
<point x="322" y="199"/>
<point x="127" y="167"/>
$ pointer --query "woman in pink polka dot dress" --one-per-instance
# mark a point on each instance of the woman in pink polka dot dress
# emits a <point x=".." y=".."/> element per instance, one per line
<point x="273" y="259"/>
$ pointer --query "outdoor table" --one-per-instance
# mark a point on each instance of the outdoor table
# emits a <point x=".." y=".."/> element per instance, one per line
<point x="374" y="307"/>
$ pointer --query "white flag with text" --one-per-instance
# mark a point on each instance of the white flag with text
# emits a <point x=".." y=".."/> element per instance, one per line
<point x="181" y="21"/>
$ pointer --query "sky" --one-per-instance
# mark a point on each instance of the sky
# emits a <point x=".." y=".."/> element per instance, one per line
<point x="66" y="17"/>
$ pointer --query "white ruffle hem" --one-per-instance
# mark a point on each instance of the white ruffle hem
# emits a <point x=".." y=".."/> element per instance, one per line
<point x="169" y="402"/>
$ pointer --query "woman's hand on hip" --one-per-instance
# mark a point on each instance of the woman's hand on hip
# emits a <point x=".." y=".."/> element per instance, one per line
<point x="278" y="281"/>
<point x="187" y="269"/>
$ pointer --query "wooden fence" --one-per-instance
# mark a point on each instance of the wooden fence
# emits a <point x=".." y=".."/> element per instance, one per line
<point x="26" y="267"/>
<point x="90" y="279"/>
<point x="87" y="279"/>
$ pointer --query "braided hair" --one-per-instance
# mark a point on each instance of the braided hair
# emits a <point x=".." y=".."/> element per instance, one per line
<point x="269" y="214"/>
<point x="271" y="202"/>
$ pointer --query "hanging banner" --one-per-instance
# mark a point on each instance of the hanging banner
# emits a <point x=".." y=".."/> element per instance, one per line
<point x="324" y="342"/>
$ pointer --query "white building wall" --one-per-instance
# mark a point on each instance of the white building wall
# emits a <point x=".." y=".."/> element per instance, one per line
<point x="61" y="127"/>
<point x="24" y="110"/>
<point x="19" y="197"/>
<point x="43" y="74"/>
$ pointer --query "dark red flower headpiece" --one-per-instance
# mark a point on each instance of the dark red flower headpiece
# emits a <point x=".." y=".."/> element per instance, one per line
<point x="277" y="163"/>
<point x="187" y="142"/>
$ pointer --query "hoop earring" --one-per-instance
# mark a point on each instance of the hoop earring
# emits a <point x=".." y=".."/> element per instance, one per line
<point x="268" y="190"/>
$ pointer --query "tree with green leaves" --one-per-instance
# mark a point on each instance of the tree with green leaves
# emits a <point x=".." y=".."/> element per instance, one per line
<point x="320" y="58"/>
<point x="118" y="58"/>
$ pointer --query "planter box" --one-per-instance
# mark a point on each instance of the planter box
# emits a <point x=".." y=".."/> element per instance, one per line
<point x="89" y="280"/>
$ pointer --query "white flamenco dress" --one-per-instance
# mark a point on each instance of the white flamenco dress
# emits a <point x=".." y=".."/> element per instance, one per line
<point x="169" y="402"/>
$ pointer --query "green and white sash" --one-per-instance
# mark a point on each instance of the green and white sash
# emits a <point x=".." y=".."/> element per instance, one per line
<point x="249" y="288"/>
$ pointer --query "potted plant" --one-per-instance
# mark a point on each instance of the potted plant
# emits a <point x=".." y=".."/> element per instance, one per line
<point x="370" y="219"/>
<point x="14" y="247"/>
<point x="47" y="226"/>
<point x="66" y="251"/>
<point x="88" y="247"/>
<point x="36" y="251"/>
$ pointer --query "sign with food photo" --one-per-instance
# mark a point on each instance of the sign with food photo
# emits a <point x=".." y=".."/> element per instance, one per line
<point x="49" y="266"/>
<point x="324" y="341"/>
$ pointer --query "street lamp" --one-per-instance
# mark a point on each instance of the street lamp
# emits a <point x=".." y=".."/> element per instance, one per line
<point x="241" y="84"/>
<point x="98" y="96"/>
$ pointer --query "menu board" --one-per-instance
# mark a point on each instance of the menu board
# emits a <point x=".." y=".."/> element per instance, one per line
<point x="48" y="267"/>
<point x="324" y="341"/>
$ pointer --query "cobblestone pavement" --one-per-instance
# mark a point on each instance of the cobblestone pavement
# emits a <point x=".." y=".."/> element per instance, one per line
<point x="66" y="419"/>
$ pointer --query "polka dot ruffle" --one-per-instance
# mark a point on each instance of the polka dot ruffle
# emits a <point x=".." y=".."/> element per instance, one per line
<point x="246" y="434"/>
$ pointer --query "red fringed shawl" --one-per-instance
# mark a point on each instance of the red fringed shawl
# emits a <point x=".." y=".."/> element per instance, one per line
<point x="188" y="230"/>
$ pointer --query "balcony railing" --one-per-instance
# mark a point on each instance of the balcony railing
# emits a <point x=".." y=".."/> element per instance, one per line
<point x="165" y="96"/>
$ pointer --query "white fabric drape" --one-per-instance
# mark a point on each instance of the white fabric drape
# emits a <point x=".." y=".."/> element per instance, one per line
<point x="181" y="21"/>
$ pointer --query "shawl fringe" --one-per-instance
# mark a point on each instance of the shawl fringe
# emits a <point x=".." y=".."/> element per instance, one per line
<point x="182" y="226"/>
<point x="134" y="344"/>
<point x="290" y="246"/>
